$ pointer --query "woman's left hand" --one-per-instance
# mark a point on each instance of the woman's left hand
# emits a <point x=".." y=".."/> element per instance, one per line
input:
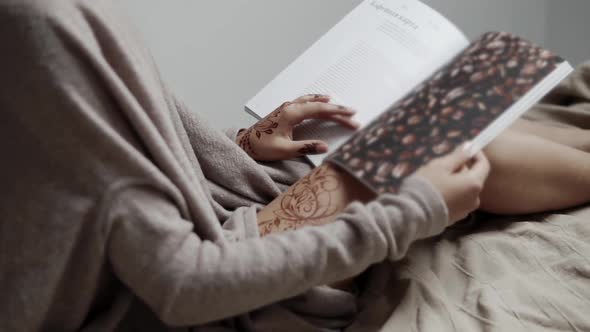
<point x="272" y="137"/>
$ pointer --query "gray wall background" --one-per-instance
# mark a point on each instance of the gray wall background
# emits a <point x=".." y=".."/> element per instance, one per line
<point x="218" y="54"/>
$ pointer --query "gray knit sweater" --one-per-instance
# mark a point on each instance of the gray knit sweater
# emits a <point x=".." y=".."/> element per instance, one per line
<point x="121" y="210"/>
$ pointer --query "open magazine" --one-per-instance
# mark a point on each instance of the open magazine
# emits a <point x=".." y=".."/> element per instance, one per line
<point x="414" y="78"/>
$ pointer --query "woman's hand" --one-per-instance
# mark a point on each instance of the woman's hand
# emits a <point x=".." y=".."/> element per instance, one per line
<point x="460" y="179"/>
<point x="272" y="137"/>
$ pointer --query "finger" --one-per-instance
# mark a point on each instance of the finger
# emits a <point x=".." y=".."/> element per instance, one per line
<point x="312" y="98"/>
<point x="309" y="147"/>
<point x="463" y="169"/>
<point x="481" y="167"/>
<point x="316" y="110"/>
<point x="457" y="159"/>
<point x="345" y="121"/>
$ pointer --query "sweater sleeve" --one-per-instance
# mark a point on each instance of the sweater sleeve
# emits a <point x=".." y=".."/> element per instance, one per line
<point x="232" y="133"/>
<point x="190" y="281"/>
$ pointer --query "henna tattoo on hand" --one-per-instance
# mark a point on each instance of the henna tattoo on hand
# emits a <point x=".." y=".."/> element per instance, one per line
<point x="268" y="125"/>
<point x="308" y="202"/>
<point x="309" y="149"/>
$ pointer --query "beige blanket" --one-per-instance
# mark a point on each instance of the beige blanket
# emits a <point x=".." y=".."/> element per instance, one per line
<point x="526" y="273"/>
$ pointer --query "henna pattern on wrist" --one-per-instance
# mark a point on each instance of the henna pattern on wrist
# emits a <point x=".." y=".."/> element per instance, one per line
<point x="309" y="202"/>
<point x="244" y="142"/>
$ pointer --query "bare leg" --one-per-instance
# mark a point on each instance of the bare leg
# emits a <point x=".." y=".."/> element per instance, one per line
<point x="572" y="137"/>
<point x="531" y="174"/>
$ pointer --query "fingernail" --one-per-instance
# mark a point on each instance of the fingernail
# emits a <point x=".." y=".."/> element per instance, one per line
<point x="467" y="147"/>
<point x="313" y="148"/>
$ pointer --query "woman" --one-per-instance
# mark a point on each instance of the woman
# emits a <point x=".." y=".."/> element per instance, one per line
<point x="123" y="211"/>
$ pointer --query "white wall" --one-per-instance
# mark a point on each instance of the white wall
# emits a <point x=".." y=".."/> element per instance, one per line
<point x="569" y="29"/>
<point x="523" y="17"/>
<point x="218" y="54"/>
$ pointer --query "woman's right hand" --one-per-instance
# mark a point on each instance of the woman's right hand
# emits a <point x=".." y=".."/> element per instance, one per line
<point x="460" y="179"/>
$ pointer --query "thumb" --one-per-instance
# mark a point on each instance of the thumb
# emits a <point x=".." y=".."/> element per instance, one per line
<point x="481" y="167"/>
<point x="457" y="159"/>
<point x="309" y="147"/>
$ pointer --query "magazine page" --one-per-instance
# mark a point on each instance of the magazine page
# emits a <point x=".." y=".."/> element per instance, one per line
<point x="480" y="93"/>
<point x="369" y="60"/>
